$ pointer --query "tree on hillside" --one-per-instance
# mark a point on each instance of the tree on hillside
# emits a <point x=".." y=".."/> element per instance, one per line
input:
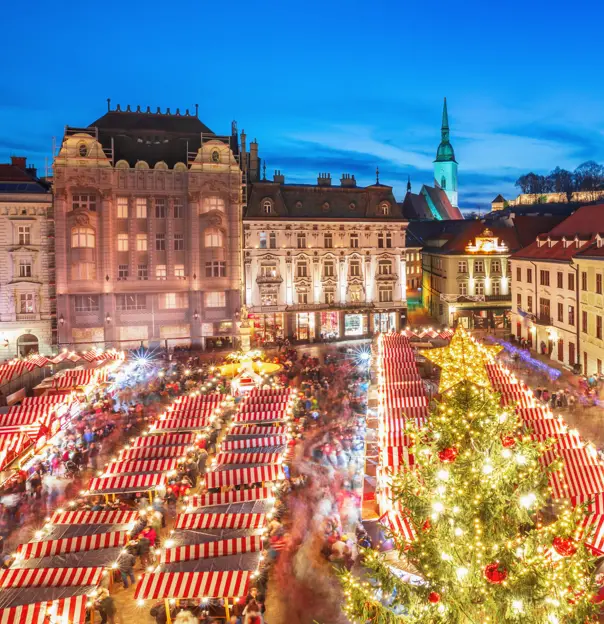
<point x="482" y="549"/>
<point x="562" y="181"/>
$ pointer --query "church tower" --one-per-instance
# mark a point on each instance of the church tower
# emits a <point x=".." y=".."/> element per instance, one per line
<point x="445" y="165"/>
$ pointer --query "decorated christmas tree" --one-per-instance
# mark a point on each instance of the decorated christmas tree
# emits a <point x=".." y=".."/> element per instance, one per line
<point x="488" y="545"/>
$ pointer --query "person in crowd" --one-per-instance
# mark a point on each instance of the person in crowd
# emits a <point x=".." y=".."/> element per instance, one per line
<point x="125" y="565"/>
<point x="106" y="606"/>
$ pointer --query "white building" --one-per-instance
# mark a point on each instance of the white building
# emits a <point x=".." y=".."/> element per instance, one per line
<point x="323" y="261"/>
<point x="26" y="261"/>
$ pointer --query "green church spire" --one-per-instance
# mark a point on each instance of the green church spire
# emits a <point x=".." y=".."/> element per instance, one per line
<point x="445" y="149"/>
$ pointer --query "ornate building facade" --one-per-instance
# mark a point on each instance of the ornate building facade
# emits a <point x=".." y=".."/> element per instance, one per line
<point x="26" y="261"/>
<point x="148" y="231"/>
<point x="323" y="261"/>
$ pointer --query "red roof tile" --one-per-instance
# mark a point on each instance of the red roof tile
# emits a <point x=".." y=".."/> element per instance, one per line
<point x="10" y="173"/>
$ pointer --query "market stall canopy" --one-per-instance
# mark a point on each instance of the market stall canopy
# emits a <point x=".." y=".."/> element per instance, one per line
<point x="193" y="585"/>
<point x="234" y="496"/>
<point x="219" y="548"/>
<point x="35" y="550"/>
<point x="167" y="439"/>
<point x="66" y="610"/>
<point x="241" y="476"/>
<point x="94" y="517"/>
<point x="126" y="483"/>
<point x="219" y="521"/>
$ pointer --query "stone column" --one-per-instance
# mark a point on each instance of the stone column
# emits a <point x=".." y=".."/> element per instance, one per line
<point x="151" y="230"/>
<point x="170" y="238"/>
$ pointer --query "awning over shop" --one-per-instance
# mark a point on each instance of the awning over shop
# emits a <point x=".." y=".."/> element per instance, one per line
<point x="143" y="465"/>
<point x="219" y="548"/>
<point x="233" y="584"/>
<point x="236" y="445"/>
<point x="70" y="610"/>
<point x="241" y="476"/>
<point x="153" y="452"/>
<point x="219" y="521"/>
<point x="247" y="458"/>
<point x="132" y="483"/>
<point x="234" y="496"/>
<point x="94" y="517"/>
<point x="34" y="550"/>
<point x="167" y="439"/>
<point x="257" y="430"/>
<point x="50" y="577"/>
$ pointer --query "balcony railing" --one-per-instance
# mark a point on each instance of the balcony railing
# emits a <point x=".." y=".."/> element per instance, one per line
<point x="498" y="297"/>
<point x="26" y="316"/>
<point x="269" y="279"/>
<point x="543" y="319"/>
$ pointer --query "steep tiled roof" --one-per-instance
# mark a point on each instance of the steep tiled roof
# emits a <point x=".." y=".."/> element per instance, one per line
<point x="430" y="203"/>
<point x="16" y="180"/>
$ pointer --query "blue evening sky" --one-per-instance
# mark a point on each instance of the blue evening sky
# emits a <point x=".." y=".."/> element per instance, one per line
<point x="324" y="86"/>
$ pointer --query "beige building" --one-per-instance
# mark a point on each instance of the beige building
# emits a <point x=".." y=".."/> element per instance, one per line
<point x="27" y="261"/>
<point x="323" y="261"/>
<point x="558" y="292"/>
<point x="148" y="220"/>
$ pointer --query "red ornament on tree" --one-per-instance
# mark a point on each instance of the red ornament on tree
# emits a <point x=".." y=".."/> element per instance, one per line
<point x="427" y="525"/>
<point x="564" y="546"/>
<point x="495" y="573"/>
<point x="508" y="441"/>
<point x="434" y="597"/>
<point x="448" y="455"/>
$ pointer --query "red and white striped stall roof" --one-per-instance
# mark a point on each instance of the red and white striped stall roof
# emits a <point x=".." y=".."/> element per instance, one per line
<point x="48" y="399"/>
<point x="398" y="421"/>
<point x="67" y="610"/>
<point x="234" y="496"/>
<point x="574" y="456"/>
<point x="220" y="548"/>
<point x="260" y="416"/>
<point x="220" y="521"/>
<point x="233" y="584"/>
<point x="594" y="532"/>
<point x="396" y="457"/>
<point x="560" y="440"/>
<point x="404" y="402"/>
<point x="168" y="439"/>
<point x="50" y="577"/>
<point x="546" y="426"/>
<point x="240" y="476"/>
<point x="395" y="438"/>
<point x="126" y="482"/>
<point x="152" y="452"/>
<point x="269" y="392"/>
<point x="201" y="399"/>
<point x="48" y="548"/>
<point x="257" y="404"/>
<point x="93" y="517"/>
<point x="142" y="465"/>
<point x="195" y="424"/>
<point x="269" y="430"/>
<point x="25" y="416"/>
<point x="237" y="445"/>
<point x="247" y="458"/>
<point x="534" y="413"/>
<point x="596" y="502"/>
<point x="394" y="376"/>
<point x="398" y="525"/>
<point x="575" y="480"/>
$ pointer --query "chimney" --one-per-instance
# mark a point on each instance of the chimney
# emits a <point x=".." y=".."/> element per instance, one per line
<point x="278" y="177"/>
<point x="19" y="161"/>
<point x="324" y="179"/>
<point x="33" y="172"/>
<point x="254" y="168"/>
<point x="347" y="180"/>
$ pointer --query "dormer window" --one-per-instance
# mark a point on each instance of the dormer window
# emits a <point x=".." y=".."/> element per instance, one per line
<point x="215" y="156"/>
<point x="384" y="209"/>
<point x="82" y="150"/>
<point x="267" y="207"/>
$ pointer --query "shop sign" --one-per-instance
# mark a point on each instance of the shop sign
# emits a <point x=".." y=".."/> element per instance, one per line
<point x="207" y="329"/>
<point x="353" y="325"/>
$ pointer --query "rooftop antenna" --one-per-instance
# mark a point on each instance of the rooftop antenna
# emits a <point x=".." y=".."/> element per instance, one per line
<point x="108" y="105"/>
<point x="197" y="110"/>
<point x="377" y="175"/>
<point x="264" y="170"/>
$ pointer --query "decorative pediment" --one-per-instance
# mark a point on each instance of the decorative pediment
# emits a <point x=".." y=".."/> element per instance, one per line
<point x="23" y="249"/>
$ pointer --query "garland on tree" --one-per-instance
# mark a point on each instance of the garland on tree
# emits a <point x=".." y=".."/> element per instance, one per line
<point x="485" y="552"/>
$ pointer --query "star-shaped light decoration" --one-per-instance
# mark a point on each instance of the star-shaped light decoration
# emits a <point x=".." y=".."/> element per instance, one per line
<point x="462" y="360"/>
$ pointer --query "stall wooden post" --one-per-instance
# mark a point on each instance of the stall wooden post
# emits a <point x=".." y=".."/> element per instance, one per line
<point x="227" y="613"/>
<point x="150" y="497"/>
<point x="106" y="498"/>
<point x="92" y="614"/>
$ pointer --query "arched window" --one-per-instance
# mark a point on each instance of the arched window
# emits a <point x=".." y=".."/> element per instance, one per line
<point x="213" y="202"/>
<point x="443" y="183"/>
<point x="213" y="237"/>
<point x="82" y="150"/>
<point x="27" y="344"/>
<point x="83" y="237"/>
<point x="384" y="208"/>
<point x="384" y="267"/>
<point x="267" y="206"/>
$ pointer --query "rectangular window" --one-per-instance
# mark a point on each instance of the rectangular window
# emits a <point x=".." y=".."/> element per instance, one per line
<point x="478" y="266"/>
<point x="560" y="350"/>
<point x="160" y="208"/>
<point x="141" y="242"/>
<point x="584" y="280"/>
<point x="571" y="315"/>
<point x="179" y="242"/>
<point x="329" y="269"/>
<point x="301" y="238"/>
<point x="328" y="240"/>
<point x="161" y="271"/>
<point x="160" y="242"/>
<point x="479" y="288"/>
<point x="86" y="303"/>
<point x="519" y="300"/>
<point x="584" y="321"/>
<point x="83" y="271"/>
<point x="329" y="297"/>
<point x="262" y="236"/>
<point x="179" y="209"/>
<point x="599" y="283"/>
<point x="272" y="240"/>
<point x="143" y="272"/>
<point x="544" y="309"/>
<point x="131" y="302"/>
<point x="496" y="287"/>
<point x="122" y="242"/>
<point x="141" y="207"/>
<point x="463" y="288"/>
<point x="495" y="266"/>
<point x="385" y="295"/>
<point x="24" y="235"/>
<point x="384" y="267"/>
<point x="599" y="327"/>
<point x="84" y="201"/>
<point x="544" y="278"/>
<point x="302" y="269"/>
<point x="599" y="364"/>
<point x="179" y="271"/>
<point x="518" y="274"/>
<point x="26" y="303"/>
<point x="462" y="266"/>
<point x="302" y="297"/>
<point x="122" y="271"/>
<point x="529" y="303"/>
<point x="25" y="268"/>
<point x="122" y="207"/>
<point x="355" y="268"/>
<point x="215" y="269"/>
<point x="571" y="281"/>
<point x="268" y="270"/>
<point x="560" y="280"/>
<point x="215" y="299"/>
<point x="561" y="312"/>
<point x="529" y="276"/>
<point x="354" y="241"/>
<point x="173" y="301"/>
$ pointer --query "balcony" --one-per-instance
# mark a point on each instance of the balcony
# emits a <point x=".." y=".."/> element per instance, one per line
<point x="543" y="319"/>
<point x="269" y="279"/>
<point x="386" y="277"/>
<point x="498" y="297"/>
<point x="27" y="317"/>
